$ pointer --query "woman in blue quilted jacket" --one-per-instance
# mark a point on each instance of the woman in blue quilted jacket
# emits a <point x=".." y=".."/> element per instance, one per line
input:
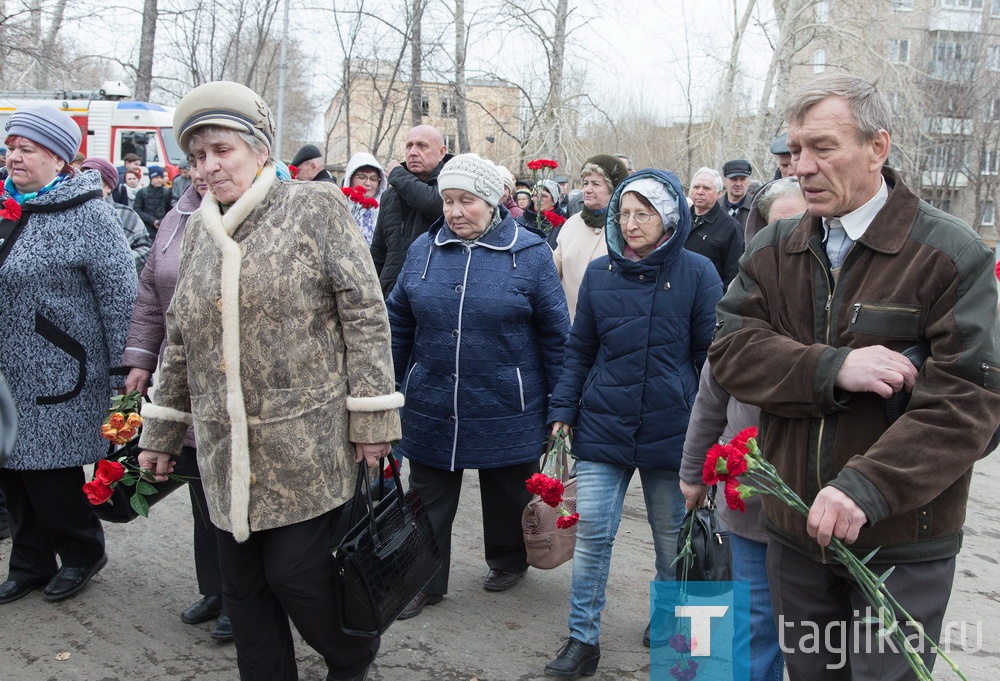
<point x="478" y="320"/>
<point x="644" y="321"/>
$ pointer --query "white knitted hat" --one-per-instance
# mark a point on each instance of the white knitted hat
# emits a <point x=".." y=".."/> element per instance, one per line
<point x="473" y="174"/>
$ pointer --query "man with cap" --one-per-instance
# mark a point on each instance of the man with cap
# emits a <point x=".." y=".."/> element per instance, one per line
<point x="735" y="201"/>
<point x="182" y="181"/>
<point x="135" y="231"/>
<point x="153" y="201"/>
<point x="309" y="162"/>
<point x="411" y="204"/>
<point x="779" y="149"/>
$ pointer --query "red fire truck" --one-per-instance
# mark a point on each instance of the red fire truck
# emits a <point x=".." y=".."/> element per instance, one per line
<point x="111" y="123"/>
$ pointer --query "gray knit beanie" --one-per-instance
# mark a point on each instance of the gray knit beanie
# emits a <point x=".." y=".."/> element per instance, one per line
<point x="47" y="126"/>
<point x="552" y="188"/>
<point x="473" y="174"/>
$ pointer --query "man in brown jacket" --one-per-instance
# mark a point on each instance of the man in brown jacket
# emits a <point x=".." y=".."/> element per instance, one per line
<point x="813" y="331"/>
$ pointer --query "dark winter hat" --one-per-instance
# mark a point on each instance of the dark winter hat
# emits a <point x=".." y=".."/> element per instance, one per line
<point x="227" y="105"/>
<point x="779" y="147"/>
<point x="561" y="179"/>
<point x="612" y="167"/>
<point x="155" y="171"/>
<point x="307" y="153"/>
<point x="108" y="172"/>
<point x="738" y="168"/>
<point x="47" y="126"/>
<point x="471" y="173"/>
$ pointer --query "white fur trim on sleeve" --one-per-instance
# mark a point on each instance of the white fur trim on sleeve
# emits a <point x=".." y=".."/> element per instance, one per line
<point x="379" y="403"/>
<point x="167" y="414"/>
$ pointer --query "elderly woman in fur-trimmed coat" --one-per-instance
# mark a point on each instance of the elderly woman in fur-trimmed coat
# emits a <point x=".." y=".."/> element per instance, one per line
<point x="278" y="350"/>
<point x="67" y="283"/>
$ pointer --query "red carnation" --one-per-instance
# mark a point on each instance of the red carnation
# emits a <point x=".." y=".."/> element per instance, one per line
<point x="554" y="218"/>
<point x="564" y="522"/>
<point x="740" y="441"/>
<point x="537" y="483"/>
<point x="553" y="494"/>
<point x="710" y="473"/>
<point x="736" y="462"/>
<point x="393" y="463"/>
<point x="293" y="171"/>
<point x="733" y="497"/>
<point x="11" y="210"/>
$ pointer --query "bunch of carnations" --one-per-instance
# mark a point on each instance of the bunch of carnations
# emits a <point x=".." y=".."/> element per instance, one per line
<point x="742" y="457"/>
<point x="548" y="484"/>
<point x="540" y="170"/>
<point x="357" y="195"/>
<point x="294" y="172"/>
<point x="11" y="210"/>
<point x="123" y="421"/>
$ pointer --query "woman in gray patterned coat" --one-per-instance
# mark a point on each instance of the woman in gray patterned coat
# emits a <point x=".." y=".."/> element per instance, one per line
<point x="278" y="350"/>
<point x="67" y="283"/>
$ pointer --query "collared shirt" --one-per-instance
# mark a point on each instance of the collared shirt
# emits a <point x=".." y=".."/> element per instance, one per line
<point x="857" y="221"/>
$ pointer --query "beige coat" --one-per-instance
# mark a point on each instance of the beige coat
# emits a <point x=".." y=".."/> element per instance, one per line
<point x="577" y="246"/>
<point x="279" y="353"/>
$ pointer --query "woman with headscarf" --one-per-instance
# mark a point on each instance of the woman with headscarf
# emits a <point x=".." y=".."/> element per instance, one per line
<point x="581" y="239"/>
<point x="278" y="351"/>
<point x="147" y="339"/>
<point x="364" y="170"/>
<point x="478" y="326"/>
<point x="67" y="282"/>
<point x="644" y="322"/>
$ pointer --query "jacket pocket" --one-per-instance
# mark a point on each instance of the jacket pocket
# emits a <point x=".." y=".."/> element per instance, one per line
<point x="886" y="320"/>
<point x="48" y="330"/>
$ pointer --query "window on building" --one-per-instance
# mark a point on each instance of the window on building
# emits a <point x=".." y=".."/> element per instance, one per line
<point x="822" y="11"/>
<point x="991" y="162"/>
<point x="946" y="49"/>
<point x="902" y="4"/>
<point x="947" y="156"/>
<point x="941" y="204"/>
<point x="425" y="106"/>
<point x="993" y="58"/>
<point x="989" y="214"/>
<point x="992" y="112"/>
<point x="995" y="8"/>
<point x="899" y="51"/>
<point x="963" y="4"/>
<point x="448" y="108"/>
<point x="819" y="61"/>
<point x="451" y="141"/>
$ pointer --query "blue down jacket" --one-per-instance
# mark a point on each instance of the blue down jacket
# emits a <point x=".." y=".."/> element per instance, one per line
<point x="478" y="332"/>
<point x="641" y="333"/>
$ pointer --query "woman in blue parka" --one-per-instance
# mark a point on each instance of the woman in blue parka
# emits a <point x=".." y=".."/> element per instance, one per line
<point x="643" y="325"/>
<point x="479" y="321"/>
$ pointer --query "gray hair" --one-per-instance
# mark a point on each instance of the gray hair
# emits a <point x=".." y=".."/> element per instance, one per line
<point x="711" y="172"/>
<point x="255" y="143"/>
<point x="869" y="107"/>
<point x="594" y="169"/>
<point x="772" y="192"/>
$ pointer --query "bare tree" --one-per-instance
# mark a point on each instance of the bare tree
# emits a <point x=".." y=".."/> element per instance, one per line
<point x="461" y="108"/>
<point x="147" y="44"/>
<point x="416" y="63"/>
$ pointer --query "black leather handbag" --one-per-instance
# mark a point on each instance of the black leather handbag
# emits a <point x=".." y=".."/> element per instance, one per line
<point x="712" y="560"/>
<point x="385" y="559"/>
<point x="118" y="509"/>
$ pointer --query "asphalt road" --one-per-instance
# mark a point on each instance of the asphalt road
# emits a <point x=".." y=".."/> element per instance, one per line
<point x="125" y="625"/>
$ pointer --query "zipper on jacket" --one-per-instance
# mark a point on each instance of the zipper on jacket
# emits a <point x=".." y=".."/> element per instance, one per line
<point x="882" y="308"/>
<point x="822" y="423"/>
<point x="520" y="386"/>
<point x="458" y="347"/>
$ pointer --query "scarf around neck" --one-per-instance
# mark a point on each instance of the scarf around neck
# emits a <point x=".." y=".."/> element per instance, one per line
<point x="594" y="219"/>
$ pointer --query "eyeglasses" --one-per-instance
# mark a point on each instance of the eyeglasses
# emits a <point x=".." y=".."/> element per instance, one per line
<point x="361" y="177"/>
<point x="640" y="218"/>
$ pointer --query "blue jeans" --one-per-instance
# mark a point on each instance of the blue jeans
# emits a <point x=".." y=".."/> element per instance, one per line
<point x="750" y="565"/>
<point x="600" y="495"/>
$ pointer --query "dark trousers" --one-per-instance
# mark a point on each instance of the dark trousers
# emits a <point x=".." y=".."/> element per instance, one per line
<point x="287" y="572"/>
<point x="820" y="612"/>
<point x="504" y="497"/>
<point x="49" y="516"/>
<point x="206" y="545"/>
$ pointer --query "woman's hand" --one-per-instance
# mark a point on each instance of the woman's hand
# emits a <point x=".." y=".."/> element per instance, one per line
<point x="158" y="463"/>
<point x="371" y="453"/>
<point x="560" y="426"/>
<point x="137" y="379"/>
<point x="694" y="495"/>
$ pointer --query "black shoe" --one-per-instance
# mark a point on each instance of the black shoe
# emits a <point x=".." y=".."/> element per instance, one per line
<point x="576" y="659"/>
<point x="417" y="603"/>
<point x="71" y="580"/>
<point x="11" y="591"/>
<point x="645" y="637"/>
<point x="208" y="608"/>
<point x="222" y="630"/>
<point x="501" y="580"/>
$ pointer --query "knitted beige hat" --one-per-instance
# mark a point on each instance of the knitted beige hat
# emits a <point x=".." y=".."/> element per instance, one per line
<point x="473" y="174"/>
<point x="227" y="105"/>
